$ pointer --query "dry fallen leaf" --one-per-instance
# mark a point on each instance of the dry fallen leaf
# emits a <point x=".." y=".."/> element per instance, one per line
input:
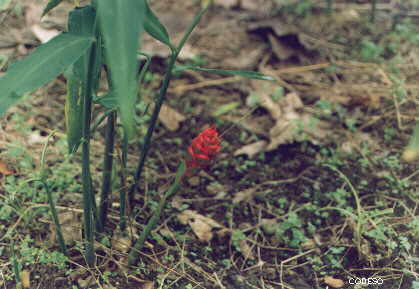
<point x="292" y="122"/>
<point x="226" y="3"/>
<point x="5" y="170"/>
<point x="244" y="196"/>
<point x="309" y="244"/>
<point x="246" y="250"/>
<point x="248" y="57"/>
<point x="411" y="152"/>
<point x="355" y="141"/>
<point x="77" y="273"/>
<point x="177" y="202"/>
<point x="202" y="226"/>
<point x="85" y="283"/>
<point x="70" y="227"/>
<point x="333" y="282"/>
<point x="255" y="124"/>
<point x="147" y="285"/>
<point x="260" y="6"/>
<point x="35" y="137"/>
<point x="121" y="243"/>
<point x="201" y="229"/>
<point x="269" y="226"/>
<point x="33" y="12"/>
<point x="216" y="189"/>
<point x="281" y="49"/>
<point x="170" y="117"/>
<point x="252" y="149"/>
<point x="44" y="35"/>
<point x="108" y="286"/>
<point x="25" y="277"/>
<point x="410" y="155"/>
<point x="194" y="181"/>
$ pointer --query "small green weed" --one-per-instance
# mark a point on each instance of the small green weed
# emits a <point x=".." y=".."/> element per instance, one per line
<point x="370" y="51"/>
<point x="291" y="231"/>
<point x="236" y="237"/>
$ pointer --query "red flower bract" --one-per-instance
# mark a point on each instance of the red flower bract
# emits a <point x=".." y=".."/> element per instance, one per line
<point x="204" y="148"/>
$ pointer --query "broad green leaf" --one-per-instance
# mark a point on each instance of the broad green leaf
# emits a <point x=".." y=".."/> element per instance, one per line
<point x="121" y="23"/>
<point x="244" y="73"/>
<point x="411" y="153"/>
<point x="153" y="26"/>
<point x="4" y="4"/>
<point x="51" y="5"/>
<point x="73" y="111"/>
<point x="40" y="67"/>
<point x="81" y="22"/>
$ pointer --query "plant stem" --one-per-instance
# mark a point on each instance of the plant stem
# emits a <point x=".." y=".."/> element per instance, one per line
<point x="373" y="10"/>
<point x="54" y="213"/>
<point x="55" y="219"/>
<point x="123" y="190"/>
<point x="361" y="217"/>
<point x="396" y="20"/>
<point x="153" y="122"/>
<point x="88" y="197"/>
<point x="133" y="256"/>
<point x="87" y="184"/>
<point x="160" y="100"/>
<point x="107" y="171"/>
<point x="145" y="66"/>
<point x="16" y="270"/>
<point x="329" y="5"/>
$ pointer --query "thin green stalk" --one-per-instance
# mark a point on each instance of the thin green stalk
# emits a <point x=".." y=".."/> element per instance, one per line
<point x="51" y="203"/>
<point x="153" y="122"/>
<point x="16" y="270"/>
<point x="360" y="213"/>
<point x="88" y="197"/>
<point x="329" y="5"/>
<point x="123" y="190"/>
<point x="396" y="20"/>
<point x="373" y="10"/>
<point x="87" y="183"/>
<point x="190" y="29"/>
<point x="145" y="67"/>
<point x="107" y="171"/>
<point x="55" y="219"/>
<point x="160" y="100"/>
<point x="133" y="256"/>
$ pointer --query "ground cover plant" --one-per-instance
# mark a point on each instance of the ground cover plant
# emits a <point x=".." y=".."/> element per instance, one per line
<point x="301" y="181"/>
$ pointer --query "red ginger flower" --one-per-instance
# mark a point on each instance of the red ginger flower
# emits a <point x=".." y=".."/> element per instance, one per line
<point x="204" y="148"/>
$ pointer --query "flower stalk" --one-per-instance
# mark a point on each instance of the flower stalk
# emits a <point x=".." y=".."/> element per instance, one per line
<point x="160" y="100"/>
<point x="133" y="256"/>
